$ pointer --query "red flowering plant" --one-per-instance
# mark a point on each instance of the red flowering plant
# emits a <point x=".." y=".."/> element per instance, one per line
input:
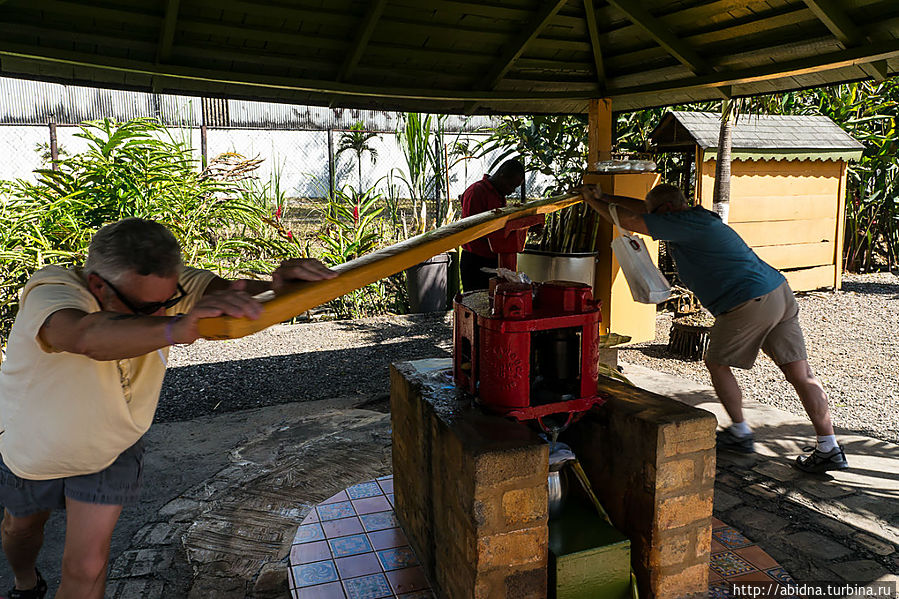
<point x="352" y="228"/>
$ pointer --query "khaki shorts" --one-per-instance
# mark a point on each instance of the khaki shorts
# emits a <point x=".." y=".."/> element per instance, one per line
<point x="769" y="323"/>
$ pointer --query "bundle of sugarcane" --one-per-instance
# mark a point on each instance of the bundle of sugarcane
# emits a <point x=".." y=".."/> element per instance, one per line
<point x="689" y="336"/>
<point x="570" y="231"/>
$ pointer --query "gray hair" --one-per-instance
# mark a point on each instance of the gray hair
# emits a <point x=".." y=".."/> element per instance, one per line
<point x="665" y="193"/>
<point x="133" y="245"/>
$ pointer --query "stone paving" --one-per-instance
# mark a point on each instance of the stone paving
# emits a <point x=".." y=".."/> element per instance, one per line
<point x="841" y="526"/>
<point x="230" y="535"/>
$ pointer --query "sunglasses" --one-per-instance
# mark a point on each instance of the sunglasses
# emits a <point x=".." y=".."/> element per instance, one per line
<point x="149" y="308"/>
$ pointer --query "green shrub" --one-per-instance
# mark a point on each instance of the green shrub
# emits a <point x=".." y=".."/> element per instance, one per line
<point x="137" y="169"/>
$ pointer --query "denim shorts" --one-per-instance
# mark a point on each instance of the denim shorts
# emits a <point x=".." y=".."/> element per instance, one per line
<point x="118" y="484"/>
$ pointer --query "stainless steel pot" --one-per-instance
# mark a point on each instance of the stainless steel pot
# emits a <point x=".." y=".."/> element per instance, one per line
<point x="549" y="266"/>
<point x="557" y="491"/>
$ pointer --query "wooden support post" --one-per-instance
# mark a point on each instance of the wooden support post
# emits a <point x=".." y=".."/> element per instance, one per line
<point x="841" y="228"/>
<point x="620" y="313"/>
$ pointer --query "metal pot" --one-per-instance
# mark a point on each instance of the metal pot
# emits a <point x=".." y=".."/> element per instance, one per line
<point x="557" y="491"/>
<point x="557" y="483"/>
<point x="550" y="266"/>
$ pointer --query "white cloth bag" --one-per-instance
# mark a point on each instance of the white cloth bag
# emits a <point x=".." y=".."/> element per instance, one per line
<point x="647" y="284"/>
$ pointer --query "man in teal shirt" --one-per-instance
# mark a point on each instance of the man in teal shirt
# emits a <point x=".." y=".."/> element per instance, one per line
<point x="753" y="305"/>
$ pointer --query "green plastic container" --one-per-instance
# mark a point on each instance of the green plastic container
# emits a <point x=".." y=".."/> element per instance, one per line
<point x="588" y="558"/>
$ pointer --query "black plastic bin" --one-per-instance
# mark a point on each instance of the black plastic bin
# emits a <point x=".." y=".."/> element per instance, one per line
<point x="426" y="283"/>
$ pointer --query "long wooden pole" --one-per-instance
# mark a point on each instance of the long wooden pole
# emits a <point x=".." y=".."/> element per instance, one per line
<point x="377" y="265"/>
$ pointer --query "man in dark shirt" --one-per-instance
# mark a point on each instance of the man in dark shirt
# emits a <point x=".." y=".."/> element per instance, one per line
<point x="753" y="305"/>
<point x="487" y="194"/>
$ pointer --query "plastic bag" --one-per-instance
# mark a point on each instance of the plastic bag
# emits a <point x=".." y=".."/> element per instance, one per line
<point x="647" y="284"/>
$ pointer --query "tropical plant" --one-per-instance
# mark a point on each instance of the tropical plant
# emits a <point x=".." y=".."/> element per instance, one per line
<point x="133" y="169"/>
<point x="352" y="229"/>
<point x="868" y="111"/>
<point x="419" y="142"/>
<point x="357" y="140"/>
<point x="555" y="146"/>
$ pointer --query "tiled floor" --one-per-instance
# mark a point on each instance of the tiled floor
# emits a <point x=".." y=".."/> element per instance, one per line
<point x="736" y="559"/>
<point x="352" y="547"/>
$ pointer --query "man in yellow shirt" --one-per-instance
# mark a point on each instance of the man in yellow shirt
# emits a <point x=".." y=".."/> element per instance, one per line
<point x="85" y="361"/>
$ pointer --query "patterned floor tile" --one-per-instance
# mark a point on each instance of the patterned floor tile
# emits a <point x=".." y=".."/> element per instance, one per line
<point x="333" y="511"/>
<point x="386" y="485"/>
<point x="730" y="538"/>
<point x="342" y="527"/>
<point x="308" y="533"/>
<point x="407" y="580"/>
<point x="333" y="528"/>
<point x="331" y="590"/>
<point x="307" y="553"/>
<point x="344" y="546"/>
<point x="397" y="558"/>
<point x="358" y="565"/>
<point x="367" y="587"/>
<point x="336" y="498"/>
<point x="388" y="538"/>
<point x="720" y="590"/>
<point x="756" y="556"/>
<point x="780" y="575"/>
<point x="379" y="521"/>
<point x="371" y="504"/>
<point x="366" y="489"/>
<point x="306" y="575"/>
<point x="729" y="564"/>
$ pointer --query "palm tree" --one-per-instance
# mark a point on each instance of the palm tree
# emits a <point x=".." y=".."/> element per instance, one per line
<point x="721" y="192"/>
<point x="357" y="139"/>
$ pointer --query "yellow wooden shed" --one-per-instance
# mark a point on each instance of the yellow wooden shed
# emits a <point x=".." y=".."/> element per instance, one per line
<point x="788" y="186"/>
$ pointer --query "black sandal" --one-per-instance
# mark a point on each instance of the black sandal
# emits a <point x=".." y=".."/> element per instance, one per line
<point x="36" y="592"/>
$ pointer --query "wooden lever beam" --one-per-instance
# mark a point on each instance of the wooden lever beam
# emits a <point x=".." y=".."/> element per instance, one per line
<point x="375" y="266"/>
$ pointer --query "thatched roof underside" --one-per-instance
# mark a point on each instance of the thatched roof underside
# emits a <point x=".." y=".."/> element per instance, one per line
<point x="453" y="56"/>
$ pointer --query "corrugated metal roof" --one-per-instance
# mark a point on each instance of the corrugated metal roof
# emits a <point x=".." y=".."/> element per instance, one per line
<point x="24" y="102"/>
<point x="782" y="133"/>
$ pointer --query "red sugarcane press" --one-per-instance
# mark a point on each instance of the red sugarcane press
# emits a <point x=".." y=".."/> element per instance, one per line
<point x="528" y="351"/>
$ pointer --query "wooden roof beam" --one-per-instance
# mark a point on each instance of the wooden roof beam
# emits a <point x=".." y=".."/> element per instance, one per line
<point x="829" y="13"/>
<point x="366" y="29"/>
<point x="663" y="36"/>
<point x="167" y="33"/>
<point x="842" y="27"/>
<point x="879" y="51"/>
<point x="593" y="29"/>
<point x="516" y="47"/>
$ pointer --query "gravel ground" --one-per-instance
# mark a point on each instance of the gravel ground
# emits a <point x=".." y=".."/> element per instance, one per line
<point x="851" y="336"/>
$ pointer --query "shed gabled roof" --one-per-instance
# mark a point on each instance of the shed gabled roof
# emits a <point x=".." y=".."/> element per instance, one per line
<point x="453" y="56"/>
<point x="759" y="136"/>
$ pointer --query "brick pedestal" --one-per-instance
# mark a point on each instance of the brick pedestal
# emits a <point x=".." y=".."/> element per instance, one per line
<point x="651" y="461"/>
<point x="470" y="489"/>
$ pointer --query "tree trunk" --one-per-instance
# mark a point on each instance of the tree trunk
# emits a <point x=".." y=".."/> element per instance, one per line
<point x="721" y="193"/>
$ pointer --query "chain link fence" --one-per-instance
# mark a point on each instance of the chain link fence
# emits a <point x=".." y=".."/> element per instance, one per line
<point x="299" y="162"/>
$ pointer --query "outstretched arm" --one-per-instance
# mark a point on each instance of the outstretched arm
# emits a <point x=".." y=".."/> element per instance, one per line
<point x="295" y="269"/>
<point x="630" y="210"/>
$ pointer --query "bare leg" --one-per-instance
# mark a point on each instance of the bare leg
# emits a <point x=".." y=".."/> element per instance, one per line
<point x="22" y="540"/>
<point x="85" y="557"/>
<point x="728" y="390"/>
<point x="811" y="394"/>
